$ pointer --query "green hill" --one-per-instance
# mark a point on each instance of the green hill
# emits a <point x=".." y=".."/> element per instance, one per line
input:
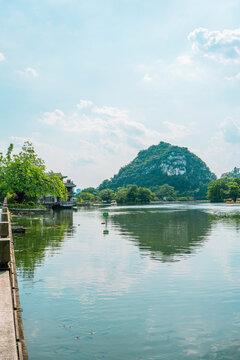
<point x="163" y="164"/>
<point x="235" y="174"/>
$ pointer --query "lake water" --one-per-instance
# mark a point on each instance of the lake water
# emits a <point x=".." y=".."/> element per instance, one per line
<point x="156" y="282"/>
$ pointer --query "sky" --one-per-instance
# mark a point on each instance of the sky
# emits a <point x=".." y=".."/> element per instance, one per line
<point x="92" y="82"/>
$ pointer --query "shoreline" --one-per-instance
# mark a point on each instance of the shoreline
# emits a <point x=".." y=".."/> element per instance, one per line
<point x="29" y="211"/>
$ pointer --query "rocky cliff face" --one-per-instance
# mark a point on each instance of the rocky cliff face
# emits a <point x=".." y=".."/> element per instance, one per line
<point x="163" y="164"/>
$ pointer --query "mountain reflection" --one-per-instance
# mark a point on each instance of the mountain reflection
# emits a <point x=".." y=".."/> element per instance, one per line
<point x="44" y="235"/>
<point x="165" y="234"/>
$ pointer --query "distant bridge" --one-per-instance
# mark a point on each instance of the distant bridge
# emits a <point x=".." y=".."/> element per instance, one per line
<point x="12" y="341"/>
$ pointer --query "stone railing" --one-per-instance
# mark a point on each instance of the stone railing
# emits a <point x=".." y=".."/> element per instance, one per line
<point x="8" y="265"/>
<point x="5" y="235"/>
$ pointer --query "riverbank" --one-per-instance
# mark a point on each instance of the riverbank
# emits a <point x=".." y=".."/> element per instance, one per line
<point x="29" y="211"/>
<point x="179" y="202"/>
<point x="151" y="203"/>
<point x="12" y="340"/>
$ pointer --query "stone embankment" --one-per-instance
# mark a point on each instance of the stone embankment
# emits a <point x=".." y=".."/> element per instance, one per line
<point x="12" y="341"/>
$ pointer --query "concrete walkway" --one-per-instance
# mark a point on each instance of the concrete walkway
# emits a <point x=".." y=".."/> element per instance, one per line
<point x="8" y="348"/>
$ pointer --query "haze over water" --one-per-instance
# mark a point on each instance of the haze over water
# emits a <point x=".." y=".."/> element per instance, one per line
<point x="162" y="284"/>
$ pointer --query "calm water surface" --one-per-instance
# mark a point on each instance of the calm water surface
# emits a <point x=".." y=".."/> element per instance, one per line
<point x="159" y="282"/>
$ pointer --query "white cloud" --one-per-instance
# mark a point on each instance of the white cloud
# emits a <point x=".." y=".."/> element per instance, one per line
<point x="2" y="57"/>
<point x="184" y="59"/>
<point x="84" y="104"/>
<point x="106" y="121"/>
<point x="108" y="283"/>
<point x="110" y="111"/>
<point x="230" y="131"/>
<point x="28" y="72"/>
<point x="222" y="46"/>
<point x="182" y="68"/>
<point x="104" y="139"/>
<point x="178" y="131"/>
<point x="57" y="158"/>
<point x="147" y="78"/>
<point x="232" y="78"/>
<point x="51" y="118"/>
<point x="142" y="68"/>
<point x="112" y="124"/>
<point x="224" y="145"/>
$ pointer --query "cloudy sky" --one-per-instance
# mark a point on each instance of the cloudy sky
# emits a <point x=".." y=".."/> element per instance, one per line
<point x="92" y="82"/>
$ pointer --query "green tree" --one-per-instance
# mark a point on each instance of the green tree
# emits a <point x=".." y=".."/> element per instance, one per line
<point x="144" y="195"/>
<point x="24" y="175"/>
<point x="235" y="173"/>
<point x="165" y="192"/>
<point x="86" y="197"/>
<point x="233" y="190"/>
<point x="201" y="192"/>
<point x="90" y="190"/>
<point x="121" y="195"/>
<point x="106" y="195"/>
<point x="132" y="193"/>
<point x="55" y="186"/>
<point x="217" y="191"/>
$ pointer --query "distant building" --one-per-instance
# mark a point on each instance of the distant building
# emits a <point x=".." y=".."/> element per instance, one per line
<point x="51" y="200"/>
<point x="70" y="189"/>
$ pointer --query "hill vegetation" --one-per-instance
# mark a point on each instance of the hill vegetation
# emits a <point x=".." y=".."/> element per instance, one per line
<point x="234" y="174"/>
<point x="164" y="164"/>
<point x="132" y="194"/>
<point x="224" y="189"/>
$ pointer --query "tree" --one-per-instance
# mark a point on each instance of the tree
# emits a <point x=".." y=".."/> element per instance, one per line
<point x="233" y="190"/>
<point x="165" y="192"/>
<point x="144" y="195"/>
<point x="55" y="186"/>
<point x="217" y="191"/>
<point x="24" y="175"/>
<point x="132" y="193"/>
<point x="85" y="196"/>
<point x="235" y="173"/>
<point x="106" y="195"/>
<point x="91" y="190"/>
<point x="201" y="192"/>
<point x="121" y="195"/>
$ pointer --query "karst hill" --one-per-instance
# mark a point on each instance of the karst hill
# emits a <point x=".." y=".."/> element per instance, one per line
<point x="163" y="164"/>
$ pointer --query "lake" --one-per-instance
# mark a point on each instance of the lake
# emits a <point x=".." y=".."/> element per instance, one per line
<point x="155" y="282"/>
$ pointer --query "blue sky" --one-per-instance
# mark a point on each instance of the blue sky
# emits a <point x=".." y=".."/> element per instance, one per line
<point x="91" y="83"/>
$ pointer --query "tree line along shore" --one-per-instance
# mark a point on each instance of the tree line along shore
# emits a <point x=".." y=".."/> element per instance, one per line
<point x="24" y="181"/>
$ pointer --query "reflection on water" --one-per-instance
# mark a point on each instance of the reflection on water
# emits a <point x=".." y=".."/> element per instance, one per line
<point x="225" y="353"/>
<point x="44" y="234"/>
<point x="86" y="295"/>
<point x="231" y="220"/>
<point x="164" y="233"/>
